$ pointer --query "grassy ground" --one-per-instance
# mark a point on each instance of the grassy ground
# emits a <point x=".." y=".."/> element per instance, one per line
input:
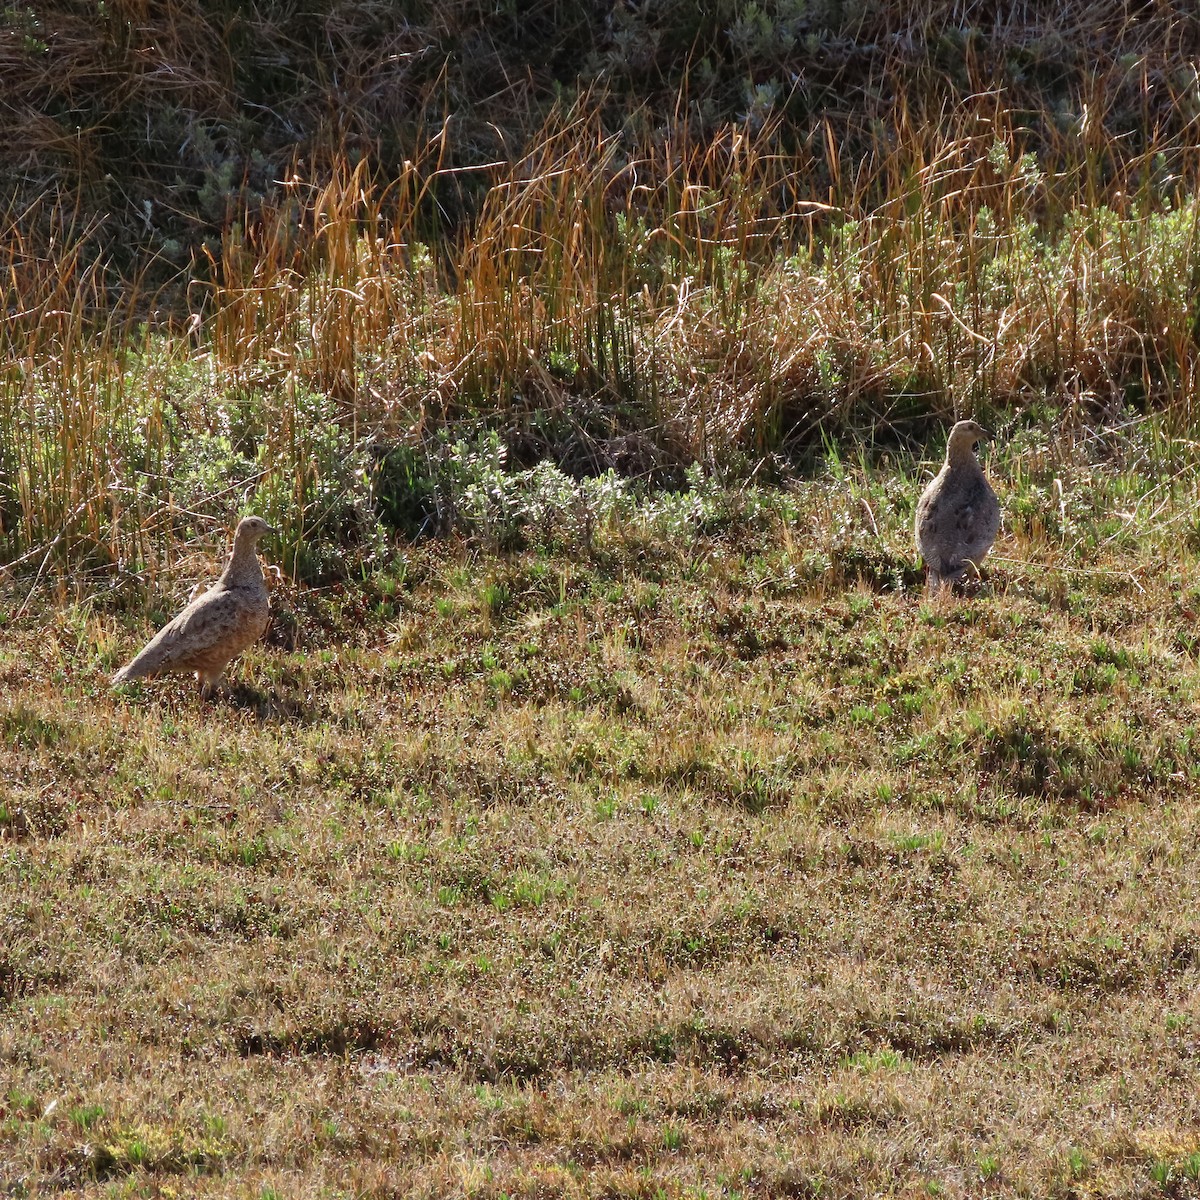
<point x="699" y="855"/>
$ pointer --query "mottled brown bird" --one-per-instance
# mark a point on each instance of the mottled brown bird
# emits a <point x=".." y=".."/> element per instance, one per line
<point x="215" y="627"/>
<point x="958" y="515"/>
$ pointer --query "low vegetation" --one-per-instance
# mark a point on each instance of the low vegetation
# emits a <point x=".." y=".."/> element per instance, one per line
<point x="682" y="848"/>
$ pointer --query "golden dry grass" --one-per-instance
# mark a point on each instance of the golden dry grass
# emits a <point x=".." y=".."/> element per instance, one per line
<point x="699" y="313"/>
<point x="901" y="219"/>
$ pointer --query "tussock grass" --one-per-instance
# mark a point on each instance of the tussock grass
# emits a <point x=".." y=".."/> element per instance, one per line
<point x="930" y="218"/>
<point x="686" y="303"/>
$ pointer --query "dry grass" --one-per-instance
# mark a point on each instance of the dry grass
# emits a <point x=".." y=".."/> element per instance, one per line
<point x="700" y="865"/>
<point x="689" y="295"/>
<point x="898" y="220"/>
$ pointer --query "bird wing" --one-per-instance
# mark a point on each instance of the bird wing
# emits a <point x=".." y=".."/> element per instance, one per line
<point x="205" y="624"/>
<point x="931" y="522"/>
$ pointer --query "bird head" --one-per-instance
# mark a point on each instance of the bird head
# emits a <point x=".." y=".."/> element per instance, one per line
<point x="250" y="529"/>
<point x="963" y="442"/>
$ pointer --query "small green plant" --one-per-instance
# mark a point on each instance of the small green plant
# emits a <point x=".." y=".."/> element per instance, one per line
<point x="86" y="1115"/>
<point x="672" y="1137"/>
<point x="252" y="851"/>
<point x="915" y="842"/>
<point x="1162" y="1171"/>
<point x="407" y="852"/>
<point x="885" y="1059"/>
<point x="989" y="1166"/>
<point x="215" y="1125"/>
<point x="605" y="808"/>
<point x="495" y="598"/>
<point x="1077" y="1162"/>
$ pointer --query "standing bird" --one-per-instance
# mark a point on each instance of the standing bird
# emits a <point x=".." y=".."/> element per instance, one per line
<point x="215" y="627"/>
<point x="958" y="515"/>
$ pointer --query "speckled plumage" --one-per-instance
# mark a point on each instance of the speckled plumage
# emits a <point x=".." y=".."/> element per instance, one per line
<point x="958" y="515"/>
<point x="215" y="627"/>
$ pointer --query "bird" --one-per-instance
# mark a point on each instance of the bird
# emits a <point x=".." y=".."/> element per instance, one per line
<point x="958" y="515"/>
<point x="217" y="625"/>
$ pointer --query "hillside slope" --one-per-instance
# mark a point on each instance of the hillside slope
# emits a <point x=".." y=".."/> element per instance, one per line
<point x="157" y="123"/>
